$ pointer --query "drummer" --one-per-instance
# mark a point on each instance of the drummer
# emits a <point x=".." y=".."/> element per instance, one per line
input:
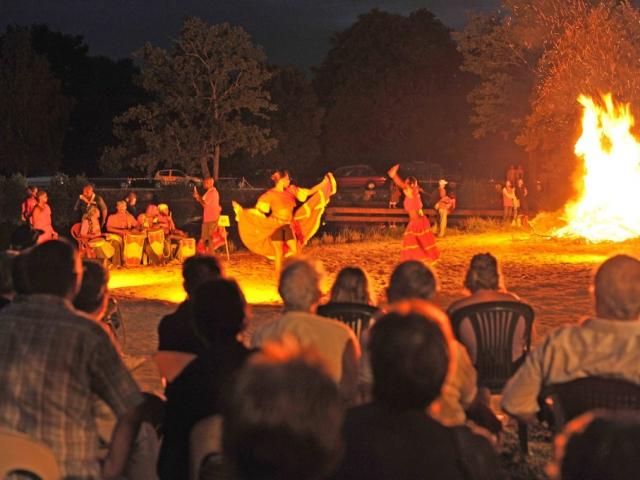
<point x="90" y="232"/>
<point x="149" y="220"/>
<point x="171" y="233"/>
<point x="121" y="222"/>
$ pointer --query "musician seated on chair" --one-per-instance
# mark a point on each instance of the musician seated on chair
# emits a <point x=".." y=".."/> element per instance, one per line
<point x="607" y="345"/>
<point x="90" y="232"/>
<point x="172" y="235"/>
<point x="485" y="283"/>
<point x="149" y="220"/>
<point x="121" y="222"/>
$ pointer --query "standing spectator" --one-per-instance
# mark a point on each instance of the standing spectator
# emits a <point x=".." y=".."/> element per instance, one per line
<point x="41" y="218"/>
<point x="29" y="203"/>
<point x="300" y="291"/>
<point x="607" y="345"/>
<point x="522" y="194"/>
<point x="484" y="282"/>
<point x="519" y="173"/>
<point x="445" y="206"/>
<point x="283" y="419"/>
<point x="132" y="203"/>
<point x="175" y="331"/>
<point x="211" y="210"/>
<point x="508" y="201"/>
<point x="393" y="437"/>
<point x="55" y="363"/>
<point x="512" y="174"/>
<point x="219" y="311"/>
<point x="88" y="198"/>
<point x="394" y="195"/>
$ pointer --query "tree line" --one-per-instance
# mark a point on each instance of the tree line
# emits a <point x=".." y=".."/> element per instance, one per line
<point x="392" y="88"/>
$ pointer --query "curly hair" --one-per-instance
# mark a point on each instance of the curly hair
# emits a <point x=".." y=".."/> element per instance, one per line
<point x="483" y="273"/>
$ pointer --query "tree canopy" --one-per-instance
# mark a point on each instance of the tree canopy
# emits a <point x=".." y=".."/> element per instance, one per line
<point x="393" y="91"/>
<point x="536" y="57"/>
<point x="34" y="114"/>
<point x="208" y="96"/>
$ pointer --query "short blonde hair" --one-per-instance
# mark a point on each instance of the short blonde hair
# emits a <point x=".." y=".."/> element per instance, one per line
<point x="299" y="284"/>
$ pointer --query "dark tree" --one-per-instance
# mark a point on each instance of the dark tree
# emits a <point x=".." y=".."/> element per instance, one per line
<point x="34" y="113"/>
<point x="393" y="92"/>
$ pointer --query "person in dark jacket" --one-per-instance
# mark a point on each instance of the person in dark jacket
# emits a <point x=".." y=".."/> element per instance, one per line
<point x="393" y="436"/>
<point x="219" y="311"/>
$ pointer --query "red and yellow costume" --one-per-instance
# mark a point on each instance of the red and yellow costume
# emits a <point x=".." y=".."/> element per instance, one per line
<point x="257" y="229"/>
<point x="418" y="242"/>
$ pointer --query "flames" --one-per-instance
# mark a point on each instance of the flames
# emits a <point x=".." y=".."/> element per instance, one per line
<point x="607" y="207"/>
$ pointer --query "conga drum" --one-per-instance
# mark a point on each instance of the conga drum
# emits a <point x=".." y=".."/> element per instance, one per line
<point x="156" y="244"/>
<point x="101" y="247"/>
<point x="133" y="248"/>
<point x="186" y="248"/>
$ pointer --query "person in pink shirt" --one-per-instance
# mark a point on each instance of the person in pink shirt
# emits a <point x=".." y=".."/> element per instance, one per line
<point x="210" y="202"/>
<point x="29" y="203"/>
<point x="41" y="218"/>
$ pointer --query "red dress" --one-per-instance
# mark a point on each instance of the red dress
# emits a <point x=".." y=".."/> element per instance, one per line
<point x="418" y="243"/>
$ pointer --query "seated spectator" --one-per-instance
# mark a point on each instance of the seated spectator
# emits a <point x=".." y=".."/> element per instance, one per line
<point x="121" y="222"/>
<point x="55" y="363"/>
<point x="598" y="446"/>
<point x="485" y="284"/>
<point x="299" y="288"/>
<point x="411" y="287"/>
<point x="352" y="285"/>
<point x="90" y="232"/>
<point x="393" y="437"/>
<point x="6" y="284"/>
<point x="20" y="276"/>
<point x="93" y="296"/>
<point x="175" y="331"/>
<point x="219" y="311"/>
<point x="283" y="418"/>
<point x="607" y="345"/>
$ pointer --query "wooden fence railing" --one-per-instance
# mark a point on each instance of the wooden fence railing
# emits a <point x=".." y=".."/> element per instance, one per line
<point x="396" y="215"/>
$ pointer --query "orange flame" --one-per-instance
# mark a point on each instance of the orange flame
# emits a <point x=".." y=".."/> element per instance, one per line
<point x="607" y="207"/>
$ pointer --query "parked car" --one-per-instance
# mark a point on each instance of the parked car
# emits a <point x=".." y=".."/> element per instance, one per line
<point x="171" y="176"/>
<point x="358" y="176"/>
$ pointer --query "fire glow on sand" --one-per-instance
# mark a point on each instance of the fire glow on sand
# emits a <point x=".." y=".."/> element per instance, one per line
<point x="606" y="207"/>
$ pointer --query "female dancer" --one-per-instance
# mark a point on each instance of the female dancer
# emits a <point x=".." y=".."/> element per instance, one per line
<point x="419" y="242"/>
<point x="41" y="218"/>
<point x="275" y="228"/>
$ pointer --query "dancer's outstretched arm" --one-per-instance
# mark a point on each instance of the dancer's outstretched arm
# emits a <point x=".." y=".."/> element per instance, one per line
<point x="393" y="175"/>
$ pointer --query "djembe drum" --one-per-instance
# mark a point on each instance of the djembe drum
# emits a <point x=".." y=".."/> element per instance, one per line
<point x="133" y="248"/>
<point x="186" y="248"/>
<point x="101" y="247"/>
<point x="155" y="250"/>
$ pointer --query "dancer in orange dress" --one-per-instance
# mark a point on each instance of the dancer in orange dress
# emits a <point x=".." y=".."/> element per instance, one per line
<point x="418" y="243"/>
<point x="275" y="228"/>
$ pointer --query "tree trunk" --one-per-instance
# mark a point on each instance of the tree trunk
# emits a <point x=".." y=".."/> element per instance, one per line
<point x="216" y="162"/>
<point x="204" y="165"/>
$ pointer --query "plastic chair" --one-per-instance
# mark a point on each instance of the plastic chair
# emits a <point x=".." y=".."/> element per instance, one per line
<point x="571" y="399"/>
<point x="356" y="315"/>
<point x="205" y="442"/>
<point x="19" y="452"/>
<point x="494" y="325"/>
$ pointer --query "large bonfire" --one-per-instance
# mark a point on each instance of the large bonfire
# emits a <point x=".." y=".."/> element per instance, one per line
<point x="607" y="207"/>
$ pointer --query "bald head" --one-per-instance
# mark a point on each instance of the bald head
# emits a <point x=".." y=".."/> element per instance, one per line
<point x="617" y="288"/>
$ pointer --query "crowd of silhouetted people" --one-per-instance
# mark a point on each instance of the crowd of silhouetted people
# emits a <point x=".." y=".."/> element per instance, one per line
<point x="304" y="396"/>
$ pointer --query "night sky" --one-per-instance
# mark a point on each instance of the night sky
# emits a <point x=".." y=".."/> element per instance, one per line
<point x="292" y="31"/>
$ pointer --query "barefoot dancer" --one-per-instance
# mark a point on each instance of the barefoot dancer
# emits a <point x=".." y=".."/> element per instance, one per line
<point x="419" y="242"/>
<point x="273" y="228"/>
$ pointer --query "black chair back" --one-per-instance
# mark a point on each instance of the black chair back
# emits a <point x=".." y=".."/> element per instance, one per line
<point x="357" y="315"/>
<point x="571" y="399"/>
<point x="494" y="325"/>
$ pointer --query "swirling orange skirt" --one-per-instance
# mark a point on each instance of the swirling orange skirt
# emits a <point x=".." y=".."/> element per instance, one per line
<point x="419" y="243"/>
